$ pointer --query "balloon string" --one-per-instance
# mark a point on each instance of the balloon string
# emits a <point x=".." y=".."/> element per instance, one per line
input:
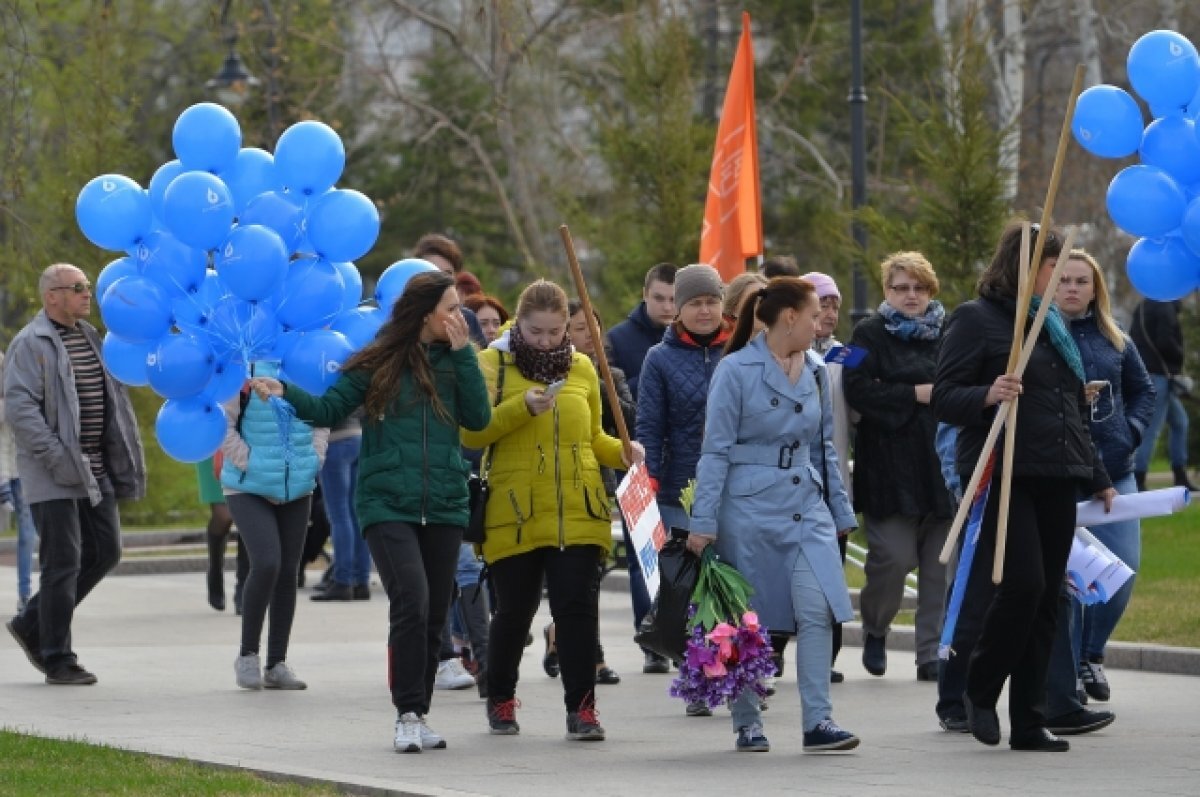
<point x="285" y="414"/>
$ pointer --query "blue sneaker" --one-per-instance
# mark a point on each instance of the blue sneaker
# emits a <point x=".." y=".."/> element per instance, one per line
<point x="828" y="736"/>
<point x="750" y="739"/>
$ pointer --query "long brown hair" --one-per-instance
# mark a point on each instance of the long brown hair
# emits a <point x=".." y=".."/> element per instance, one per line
<point x="1001" y="277"/>
<point x="766" y="303"/>
<point x="398" y="347"/>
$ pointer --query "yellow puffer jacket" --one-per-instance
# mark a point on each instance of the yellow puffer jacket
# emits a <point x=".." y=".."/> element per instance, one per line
<point x="546" y="488"/>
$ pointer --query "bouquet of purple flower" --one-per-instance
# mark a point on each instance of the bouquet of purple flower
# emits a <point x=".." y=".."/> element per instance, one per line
<point x="727" y="650"/>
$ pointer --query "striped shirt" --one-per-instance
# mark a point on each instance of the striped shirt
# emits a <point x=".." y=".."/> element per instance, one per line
<point x="89" y="387"/>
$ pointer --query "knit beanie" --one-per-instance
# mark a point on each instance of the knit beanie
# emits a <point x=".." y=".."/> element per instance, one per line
<point x="695" y="280"/>
<point x="824" y="284"/>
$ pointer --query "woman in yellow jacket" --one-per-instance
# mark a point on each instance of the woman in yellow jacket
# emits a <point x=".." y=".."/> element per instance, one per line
<point x="548" y="514"/>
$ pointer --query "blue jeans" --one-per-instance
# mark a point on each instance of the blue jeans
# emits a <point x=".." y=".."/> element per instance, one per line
<point x="1170" y="409"/>
<point x="814" y="649"/>
<point x="351" y="557"/>
<point x="1094" y="624"/>
<point x="26" y="539"/>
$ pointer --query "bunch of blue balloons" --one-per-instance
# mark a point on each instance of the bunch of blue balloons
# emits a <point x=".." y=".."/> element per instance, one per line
<point x="231" y="256"/>
<point x="1157" y="200"/>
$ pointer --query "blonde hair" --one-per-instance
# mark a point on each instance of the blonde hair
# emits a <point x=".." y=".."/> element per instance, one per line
<point x="735" y="291"/>
<point x="542" y="295"/>
<point x="1101" y="306"/>
<point x="915" y="265"/>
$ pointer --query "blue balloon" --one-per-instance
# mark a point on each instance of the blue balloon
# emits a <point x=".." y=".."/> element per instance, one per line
<point x="253" y="262"/>
<point x="180" y="366"/>
<point x="1145" y="201"/>
<point x="192" y="311"/>
<point x="136" y="309"/>
<point x="206" y="138"/>
<point x="393" y="279"/>
<point x="253" y="173"/>
<point x="226" y="382"/>
<point x="124" y="360"/>
<point x="199" y="209"/>
<point x="1163" y="269"/>
<point x="121" y="267"/>
<point x="315" y="363"/>
<point x="309" y="157"/>
<point x="158" y="186"/>
<point x="113" y="212"/>
<point x="311" y="295"/>
<point x="284" y="343"/>
<point x="352" y="280"/>
<point x="1190" y="227"/>
<point x="1170" y="144"/>
<point x="240" y="330"/>
<point x="174" y="265"/>
<point x="1107" y="122"/>
<point x="359" y="325"/>
<point x="190" y="429"/>
<point x="343" y="225"/>
<point x="1164" y="69"/>
<point x="280" y="212"/>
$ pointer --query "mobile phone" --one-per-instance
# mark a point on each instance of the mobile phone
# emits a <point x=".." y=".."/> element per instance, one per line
<point x="1098" y="384"/>
<point x="553" y="388"/>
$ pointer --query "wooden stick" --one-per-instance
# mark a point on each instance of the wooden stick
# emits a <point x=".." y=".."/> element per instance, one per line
<point x="1010" y="428"/>
<point x="1003" y="409"/>
<point x="610" y="387"/>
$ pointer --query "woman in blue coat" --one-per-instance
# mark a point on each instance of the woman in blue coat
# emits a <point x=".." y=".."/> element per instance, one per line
<point x="768" y="449"/>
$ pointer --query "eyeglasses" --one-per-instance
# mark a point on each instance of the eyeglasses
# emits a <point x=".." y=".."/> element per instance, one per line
<point x="78" y="287"/>
<point x="909" y="288"/>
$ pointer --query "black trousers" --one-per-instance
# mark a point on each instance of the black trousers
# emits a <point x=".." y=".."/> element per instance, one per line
<point x="416" y="565"/>
<point x="80" y="545"/>
<point x="1017" y="635"/>
<point x="572" y="577"/>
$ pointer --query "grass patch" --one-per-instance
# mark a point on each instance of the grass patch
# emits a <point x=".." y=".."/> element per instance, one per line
<point x="34" y="767"/>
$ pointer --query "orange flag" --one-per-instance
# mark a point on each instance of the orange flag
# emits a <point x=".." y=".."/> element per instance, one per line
<point x="732" y="228"/>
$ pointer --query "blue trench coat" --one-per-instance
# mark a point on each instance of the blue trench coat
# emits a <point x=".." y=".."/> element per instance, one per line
<point x="759" y="481"/>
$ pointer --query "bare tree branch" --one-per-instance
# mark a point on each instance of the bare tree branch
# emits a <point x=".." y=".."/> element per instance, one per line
<point x="812" y="150"/>
<point x="449" y="31"/>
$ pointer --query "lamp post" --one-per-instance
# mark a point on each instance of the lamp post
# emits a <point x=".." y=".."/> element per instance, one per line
<point x="234" y="82"/>
<point x="858" y="158"/>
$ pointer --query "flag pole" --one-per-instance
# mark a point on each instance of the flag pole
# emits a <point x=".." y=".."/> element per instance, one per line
<point x="610" y="387"/>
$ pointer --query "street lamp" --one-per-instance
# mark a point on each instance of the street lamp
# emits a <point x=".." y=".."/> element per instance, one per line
<point x="858" y="159"/>
<point x="234" y="82"/>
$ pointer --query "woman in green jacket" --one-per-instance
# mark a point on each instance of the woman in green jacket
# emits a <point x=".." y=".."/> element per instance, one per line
<point x="418" y="381"/>
<point x="548" y="514"/>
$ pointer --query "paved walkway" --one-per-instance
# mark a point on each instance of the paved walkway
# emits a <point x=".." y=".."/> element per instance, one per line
<point x="164" y="660"/>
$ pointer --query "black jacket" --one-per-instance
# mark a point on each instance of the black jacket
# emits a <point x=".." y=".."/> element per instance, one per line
<point x="1159" y="338"/>
<point x="896" y="468"/>
<point x="1053" y="440"/>
<point x="629" y="342"/>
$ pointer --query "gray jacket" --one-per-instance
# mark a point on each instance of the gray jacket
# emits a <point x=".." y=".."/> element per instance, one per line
<point x="43" y="410"/>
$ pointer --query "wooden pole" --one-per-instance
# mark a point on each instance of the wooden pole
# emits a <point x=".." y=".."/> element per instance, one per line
<point x="597" y="341"/>
<point x="1002" y="412"/>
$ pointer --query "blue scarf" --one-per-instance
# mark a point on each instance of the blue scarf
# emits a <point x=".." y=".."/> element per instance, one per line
<point x="927" y="327"/>
<point x="1060" y="337"/>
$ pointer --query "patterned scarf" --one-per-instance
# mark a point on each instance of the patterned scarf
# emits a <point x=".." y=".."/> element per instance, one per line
<point x="538" y="365"/>
<point x="927" y="327"/>
<point x="1060" y="337"/>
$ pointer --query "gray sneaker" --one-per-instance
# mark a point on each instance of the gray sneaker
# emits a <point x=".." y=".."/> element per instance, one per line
<point x="430" y="739"/>
<point x="281" y="677"/>
<point x="408" y="733"/>
<point x="248" y="671"/>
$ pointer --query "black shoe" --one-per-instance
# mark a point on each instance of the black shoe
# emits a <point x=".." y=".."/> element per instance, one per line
<point x="654" y="663"/>
<point x="70" y="674"/>
<point x="550" y="659"/>
<point x="928" y="671"/>
<point x="1181" y="479"/>
<point x="362" y="592"/>
<point x="502" y="717"/>
<point x="1039" y="740"/>
<point x="1081" y="721"/>
<point x="608" y="676"/>
<point x="1140" y="478"/>
<point x="336" y="592"/>
<point x="874" y="656"/>
<point x="836" y="677"/>
<point x="955" y="724"/>
<point x="1095" y="682"/>
<point x="29" y="646"/>
<point x="983" y="723"/>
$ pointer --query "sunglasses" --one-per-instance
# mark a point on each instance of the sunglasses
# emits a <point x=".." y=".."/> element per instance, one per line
<point x="78" y="287"/>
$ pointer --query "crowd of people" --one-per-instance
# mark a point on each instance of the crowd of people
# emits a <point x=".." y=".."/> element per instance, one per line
<point x="741" y="391"/>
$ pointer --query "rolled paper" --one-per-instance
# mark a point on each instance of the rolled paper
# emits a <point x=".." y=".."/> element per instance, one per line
<point x="1152" y="503"/>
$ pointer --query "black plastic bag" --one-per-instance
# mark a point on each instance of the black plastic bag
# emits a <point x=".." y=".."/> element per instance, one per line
<point x="664" y="628"/>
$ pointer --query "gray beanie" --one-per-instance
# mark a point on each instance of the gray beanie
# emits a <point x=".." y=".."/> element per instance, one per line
<point x="695" y="280"/>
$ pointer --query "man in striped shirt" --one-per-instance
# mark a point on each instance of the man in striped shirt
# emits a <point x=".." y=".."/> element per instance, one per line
<point x="78" y="451"/>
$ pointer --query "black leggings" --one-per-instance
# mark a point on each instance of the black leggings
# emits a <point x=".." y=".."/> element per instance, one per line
<point x="572" y="578"/>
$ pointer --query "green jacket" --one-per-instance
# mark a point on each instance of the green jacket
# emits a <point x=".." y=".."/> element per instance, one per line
<point x="411" y="467"/>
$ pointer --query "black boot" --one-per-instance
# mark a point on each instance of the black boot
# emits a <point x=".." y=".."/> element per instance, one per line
<point x="1181" y="479"/>
<point x="216" y="570"/>
<point x="1139" y="476"/>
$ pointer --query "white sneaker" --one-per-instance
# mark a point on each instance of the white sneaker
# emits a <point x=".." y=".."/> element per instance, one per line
<point x="430" y="739"/>
<point x="452" y="675"/>
<point x="248" y="671"/>
<point x="281" y="677"/>
<point x="408" y="733"/>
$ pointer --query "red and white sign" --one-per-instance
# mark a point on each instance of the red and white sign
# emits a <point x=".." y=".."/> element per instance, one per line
<point x="636" y="498"/>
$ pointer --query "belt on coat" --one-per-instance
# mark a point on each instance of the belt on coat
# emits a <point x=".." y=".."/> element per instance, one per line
<point x="784" y="457"/>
